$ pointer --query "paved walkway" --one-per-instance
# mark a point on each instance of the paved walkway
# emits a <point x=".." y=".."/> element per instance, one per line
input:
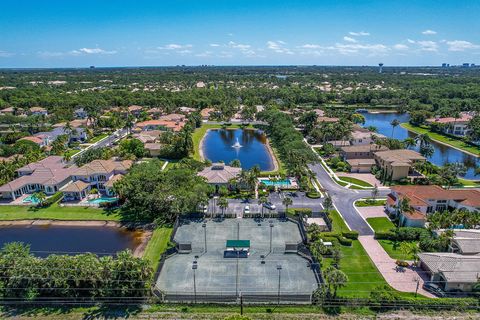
<point x="405" y="281"/>
<point x="372" y="212"/>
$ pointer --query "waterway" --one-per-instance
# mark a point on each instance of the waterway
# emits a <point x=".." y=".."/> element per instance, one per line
<point x="443" y="154"/>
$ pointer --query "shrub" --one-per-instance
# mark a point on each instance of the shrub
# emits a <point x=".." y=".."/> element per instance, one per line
<point x="313" y="195"/>
<point x="56" y="197"/>
<point x="344" y="241"/>
<point x="305" y="211"/>
<point x="353" y="235"/>
<point x="402" y="263"/>
<point x="384" y="235"/>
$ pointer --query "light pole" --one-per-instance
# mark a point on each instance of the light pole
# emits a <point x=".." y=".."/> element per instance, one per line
<point x="194" y="267"/>
<point x="271" y="230"/>
<point x="204" y="226"/>
<point x="236" y="278"/>
<point x="279" y="268"/>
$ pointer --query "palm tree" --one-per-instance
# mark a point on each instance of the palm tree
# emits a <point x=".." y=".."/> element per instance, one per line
<point x="40" y="197"/>
<point x="394" y="124"/>
<point x="335" y="279"/>
<point x="67" y="156"/>
<point x="410" y="249"/>
<point x="423" y="139"/>
<point x="261" y="201"/>
<point x="327" y="203"/>
<point x="287" y="201"/>
<point x="67" y="128"/>
<point x="223" y="204"/>
<point x="409" y="142"/>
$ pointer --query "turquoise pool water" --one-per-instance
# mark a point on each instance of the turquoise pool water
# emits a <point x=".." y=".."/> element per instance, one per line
<point x="277" y="182"/>
<point x="103" y="200"/>
<point x="30" y="199"/>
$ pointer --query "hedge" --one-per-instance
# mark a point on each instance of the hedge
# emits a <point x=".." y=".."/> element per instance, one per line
<point x="335" y="235"/>
<point x="313" y="195"/>
<point x="344" y="241"/>
<point x="56" y="197"/>
<point x="353" y="235"/>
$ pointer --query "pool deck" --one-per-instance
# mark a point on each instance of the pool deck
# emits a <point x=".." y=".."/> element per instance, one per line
<point x="267" y="144"/>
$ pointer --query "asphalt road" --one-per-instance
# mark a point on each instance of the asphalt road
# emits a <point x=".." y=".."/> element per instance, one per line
<point x="344" y="198"/>
<point x="117" y="135"/>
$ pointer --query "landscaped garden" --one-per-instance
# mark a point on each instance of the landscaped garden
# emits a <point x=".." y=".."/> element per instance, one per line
<point x="370" y="203"/>
<point x="356" y="181"/>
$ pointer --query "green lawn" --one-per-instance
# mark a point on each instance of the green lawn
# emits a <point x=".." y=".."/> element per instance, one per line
<point x="338" y="224"/>
<point x="468" y="183"/>
<point x="157" y="245"/>
<point x="371" y="203"/>
<point x="71" y="152"/>
<point x="57" y="213"/>
<point x="452" y="141"/>
<point x="98" y="138"/>
<point x="355" y="181"/>
<point x="393" y="249"/>
<point x="381" y="224"/>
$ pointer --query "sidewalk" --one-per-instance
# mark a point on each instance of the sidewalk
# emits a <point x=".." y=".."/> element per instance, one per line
<point x="405" y="281"/>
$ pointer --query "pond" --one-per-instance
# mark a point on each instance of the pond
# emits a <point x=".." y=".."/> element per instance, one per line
<point x="48" y="239"/>
<point x="247" y="145"/>
<point x="443" y="154"/>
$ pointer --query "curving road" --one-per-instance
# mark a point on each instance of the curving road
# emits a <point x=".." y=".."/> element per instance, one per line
<point x="344" y="198"/>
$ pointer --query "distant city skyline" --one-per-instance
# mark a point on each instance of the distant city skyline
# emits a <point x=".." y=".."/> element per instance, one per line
<point x="162" y="33"/>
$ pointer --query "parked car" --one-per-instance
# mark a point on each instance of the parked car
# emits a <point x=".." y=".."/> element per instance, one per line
<point x="269" y="206"/>
<point x="246" y="209"/>
<point x="433" y="288"/>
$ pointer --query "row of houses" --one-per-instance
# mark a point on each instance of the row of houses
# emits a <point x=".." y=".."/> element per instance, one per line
<point x="51" y="175"/>
<point x="454" y="126"/>
<point x="397" y="164"/>
<point x="34" y="111"/>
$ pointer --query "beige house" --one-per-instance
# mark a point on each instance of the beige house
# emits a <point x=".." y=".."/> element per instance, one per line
<point x="362" y="151"/>
<point x="48" y="175"/>
<point x="398" y="164"/>
<point x="219" y="174"/>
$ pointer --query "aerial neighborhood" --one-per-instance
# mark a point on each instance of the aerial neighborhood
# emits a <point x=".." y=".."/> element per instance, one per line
<point x="260" y="195"/>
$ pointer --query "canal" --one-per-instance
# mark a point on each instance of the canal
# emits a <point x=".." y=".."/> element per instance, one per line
<point x="443" y="154"/>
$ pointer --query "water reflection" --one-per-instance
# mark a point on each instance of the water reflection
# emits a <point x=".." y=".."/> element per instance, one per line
<point x="443" y="154"/>
<point x="218" y="146"/>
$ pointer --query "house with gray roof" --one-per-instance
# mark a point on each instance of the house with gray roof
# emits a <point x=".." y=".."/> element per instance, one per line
<point x="451" y="271"/>
<point x="465" y="242"/>
<point x="219" y="174"/>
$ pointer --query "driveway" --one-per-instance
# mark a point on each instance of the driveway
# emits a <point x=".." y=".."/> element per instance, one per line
<point x="372" y="212"/>
<point x="367" y="177"/>
<point x="405" y="280"/>
<point x="344" y="198"/>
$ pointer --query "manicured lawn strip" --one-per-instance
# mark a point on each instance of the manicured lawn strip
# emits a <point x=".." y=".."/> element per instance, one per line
<point x="338" y="224"/>
<point x="98" y="138"/>
<point x="454" y="142"/>
<point x="55" y="212"/>
<point x="380" y="224"/>
<point x="71" y="152"/>
<point x="371" y="203"/>
<point x="393" y="249"/>
<point x="469" y="183"/>
<point x="356" y="181"/>
<point x="157" y="245"/>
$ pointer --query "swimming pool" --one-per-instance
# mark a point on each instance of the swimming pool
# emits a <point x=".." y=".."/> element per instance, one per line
<point x="103" y="200"/>
<point x="277" y="183"/>
<point x="30" y="199"/>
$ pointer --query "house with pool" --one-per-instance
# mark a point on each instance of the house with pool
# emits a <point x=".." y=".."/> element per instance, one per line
<point x="98" y="174"/>
<point x="219" y="174"/>
<point x="48" y="175"/>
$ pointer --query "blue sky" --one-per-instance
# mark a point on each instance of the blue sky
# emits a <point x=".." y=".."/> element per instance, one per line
<point x="168" y="32"/>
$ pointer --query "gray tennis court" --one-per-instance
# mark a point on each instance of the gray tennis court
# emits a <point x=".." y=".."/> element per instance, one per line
<point x="256" y="276"/>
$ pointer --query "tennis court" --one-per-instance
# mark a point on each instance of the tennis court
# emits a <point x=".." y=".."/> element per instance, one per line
<point x="255" y="272"/>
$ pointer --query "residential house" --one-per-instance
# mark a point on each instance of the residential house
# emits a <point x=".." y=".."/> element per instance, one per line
<point x="173" y="122"/>
<point x="38" y="111"/>
<point x="465" y="242"/>
<point x="206" y="113"/>
<point x="398" y="164"/>
<point x="362" y="151"/>
<point x="78" y="134"/>
<point x="151" y="141"/>
<point x="425" y="199"/>
<point x="98" y="172"/>
<point x="41" y="141"/>
<point x="187" y="110"/>
<point x="364" y="136"/>
<point x="451" y="271"/>
<point x="48" y="175"/>
<point x="12" y="111"/>
<point x="135" y="110"/>
<point x="220" y="174"/>
<point x="154" y="112"/>
<point x="454" y="126"/>
<point x="327" y="119"/>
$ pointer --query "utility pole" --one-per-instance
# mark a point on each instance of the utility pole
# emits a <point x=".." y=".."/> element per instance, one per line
<point x="279" y="268"/>
<point x="241" y="304"/>
<point x="271" y="230"/>
<point x="194" y="267"/>
<point x="204" y="226"/>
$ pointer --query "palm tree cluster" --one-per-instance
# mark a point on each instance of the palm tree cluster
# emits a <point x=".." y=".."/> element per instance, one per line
<point x="24" y="276"/>
<point x="457" y="217"/>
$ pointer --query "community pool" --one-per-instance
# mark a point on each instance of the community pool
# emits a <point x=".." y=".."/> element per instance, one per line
<point x="276" y="183"/>
<point x="103" y="200"/>
<point x="30" y="199"/>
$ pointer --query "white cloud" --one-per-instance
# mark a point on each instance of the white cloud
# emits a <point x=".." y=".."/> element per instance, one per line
<point x="349" y="39"/>
<point x="353" y="48"/>
<point x="431" y="46"/>
<point x="401" y="47"/>
<point x="357" y="34"/>
<point x="461" y="45"/>
<point x="278" y="47"/>
<point x="214" y="45"/>
<point x="204" y="54"/>
<point x="175" y="46"/>
<point x="91" y="51"/>
<point x="411" y="41"/>
<point x="240" y="46"/>
<point x="5" y="54"/>
<point x="429" y="32"/>
<point x="310" y="46"/>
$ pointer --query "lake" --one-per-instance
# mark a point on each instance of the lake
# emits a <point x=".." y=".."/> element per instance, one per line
<point x="443" y="154"/>
<point x="247" y="145"/>
<point x="48" y="239"/>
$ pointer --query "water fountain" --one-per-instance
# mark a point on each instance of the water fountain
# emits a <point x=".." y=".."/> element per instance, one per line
<point x="237" y="144"/>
